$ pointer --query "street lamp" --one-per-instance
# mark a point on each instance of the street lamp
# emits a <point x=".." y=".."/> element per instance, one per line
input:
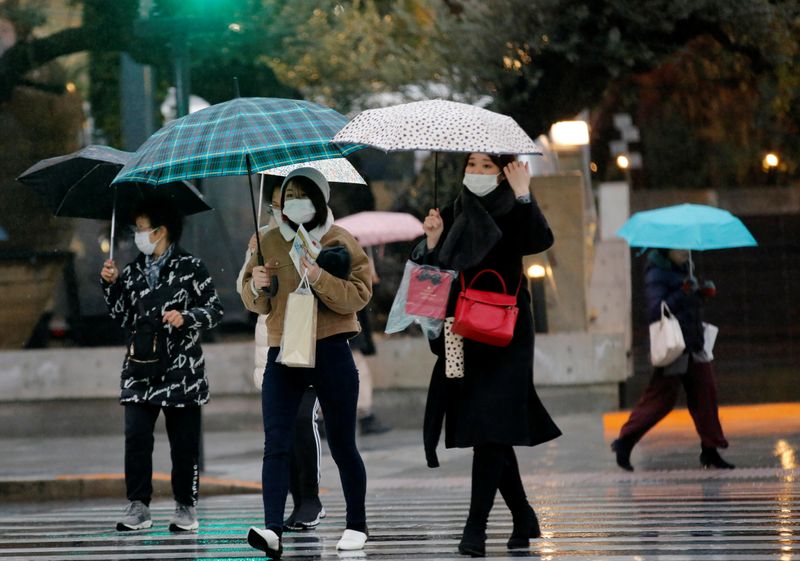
<point x="569" y="134"/>
<point x="624" y="164"/>
<point x="571" y="141"/>
<point x="536" y="274"/>
<point x="770" y="165"/>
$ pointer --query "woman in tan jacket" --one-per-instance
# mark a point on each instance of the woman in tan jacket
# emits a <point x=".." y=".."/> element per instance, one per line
<point x="340" y="279"/>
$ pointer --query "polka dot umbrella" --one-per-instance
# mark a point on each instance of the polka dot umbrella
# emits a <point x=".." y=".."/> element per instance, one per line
<point x="437" y="125"/>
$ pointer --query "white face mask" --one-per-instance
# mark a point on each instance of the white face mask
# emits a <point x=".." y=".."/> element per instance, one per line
<point x="299" y="211"/>
<point x="277" y="215"/>
<point x="142" y="241"/>
<point x="480" y="184"/>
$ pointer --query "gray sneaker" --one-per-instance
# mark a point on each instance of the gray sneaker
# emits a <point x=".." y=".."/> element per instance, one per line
<point x="135" y="517"/>
<point x="184" y="519"/>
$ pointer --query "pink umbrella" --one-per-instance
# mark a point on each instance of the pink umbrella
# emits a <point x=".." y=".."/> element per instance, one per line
<point x="377" y="228"/>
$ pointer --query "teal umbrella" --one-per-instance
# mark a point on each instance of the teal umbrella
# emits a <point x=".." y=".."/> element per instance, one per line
<point x="686" y="226"/>
<point x="238" y="137"/>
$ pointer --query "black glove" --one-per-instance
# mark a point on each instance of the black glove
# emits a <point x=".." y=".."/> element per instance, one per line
<point x="335" y="260"/>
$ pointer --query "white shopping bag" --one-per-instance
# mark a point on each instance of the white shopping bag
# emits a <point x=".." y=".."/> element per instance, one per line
<point x="299" y="342"/>
<point x="710" y="332"/>
<point x="666" y="338"/>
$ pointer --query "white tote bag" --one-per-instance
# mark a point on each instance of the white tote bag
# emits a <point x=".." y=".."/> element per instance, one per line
<point x="666" y="338"/>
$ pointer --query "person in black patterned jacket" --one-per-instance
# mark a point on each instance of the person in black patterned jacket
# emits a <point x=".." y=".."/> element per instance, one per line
<point x="172" y="290"/>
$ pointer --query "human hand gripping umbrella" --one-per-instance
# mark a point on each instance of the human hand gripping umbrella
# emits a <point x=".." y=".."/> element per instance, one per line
<point x="76" y="185"/>
<point x="238" y="137"/>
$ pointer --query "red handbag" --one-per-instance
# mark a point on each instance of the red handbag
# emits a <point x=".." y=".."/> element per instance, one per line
<point x="486" y="317"/>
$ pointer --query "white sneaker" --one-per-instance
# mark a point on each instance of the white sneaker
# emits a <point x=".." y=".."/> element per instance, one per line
<point x="352" y="540"/>
<point x="266" y="541"/>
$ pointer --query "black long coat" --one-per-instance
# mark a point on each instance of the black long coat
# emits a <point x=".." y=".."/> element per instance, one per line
<point x="183" y="284"/>
<point x="495" y="401"/>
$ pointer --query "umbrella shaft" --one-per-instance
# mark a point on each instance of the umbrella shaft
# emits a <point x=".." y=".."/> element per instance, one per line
<point x="253" y="205"/>
<point x="113" y="225"/>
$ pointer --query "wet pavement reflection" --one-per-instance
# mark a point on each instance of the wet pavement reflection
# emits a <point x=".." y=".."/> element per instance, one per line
<point x="753" y="515"/>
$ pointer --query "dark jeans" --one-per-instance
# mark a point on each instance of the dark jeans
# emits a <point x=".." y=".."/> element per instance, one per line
<point x="183" y="430"/>
<point x="494" y="467"/>
<point x="335" y="380"/>
<point x="659" y="399"/>
<point x="304" y="464"/>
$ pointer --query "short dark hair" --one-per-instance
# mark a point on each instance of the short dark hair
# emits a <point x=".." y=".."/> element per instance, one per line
<point x="313" y="192"/>
<point x="161" y="212"/>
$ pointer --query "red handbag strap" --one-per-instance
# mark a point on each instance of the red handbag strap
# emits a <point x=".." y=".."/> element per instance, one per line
<point x="502" y="282"/>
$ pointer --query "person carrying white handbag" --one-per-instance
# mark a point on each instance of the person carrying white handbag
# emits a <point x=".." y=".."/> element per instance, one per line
<point x="680" y="357"/>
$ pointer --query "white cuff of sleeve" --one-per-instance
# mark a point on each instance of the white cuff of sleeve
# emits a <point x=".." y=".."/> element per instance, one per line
<point x="253" y="288"/>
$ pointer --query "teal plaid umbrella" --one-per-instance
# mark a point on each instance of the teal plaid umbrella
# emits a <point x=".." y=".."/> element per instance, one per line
<point x="238" y="137"/>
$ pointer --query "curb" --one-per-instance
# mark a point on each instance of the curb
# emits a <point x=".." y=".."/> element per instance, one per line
<point x="109" y="485"/>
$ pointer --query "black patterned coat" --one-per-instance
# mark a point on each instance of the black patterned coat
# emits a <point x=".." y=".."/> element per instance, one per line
<point x="183" y="284"/>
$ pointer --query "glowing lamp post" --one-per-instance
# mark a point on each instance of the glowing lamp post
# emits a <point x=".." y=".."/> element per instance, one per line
<point x="571" y="141"/>
<point x="536" y="276"/>
<point x="770" y="165"/>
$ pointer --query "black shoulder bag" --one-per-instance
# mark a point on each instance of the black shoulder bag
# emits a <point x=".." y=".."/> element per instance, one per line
<point x="147" y="349"/>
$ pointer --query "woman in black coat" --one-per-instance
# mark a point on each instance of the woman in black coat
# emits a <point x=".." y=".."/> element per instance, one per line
<point x="489" y="405"/>
<point x="668" y="278"/>
<point x="166" y="298"/>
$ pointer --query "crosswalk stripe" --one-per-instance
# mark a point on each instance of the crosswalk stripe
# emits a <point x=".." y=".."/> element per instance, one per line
<point x="734" y="519"/>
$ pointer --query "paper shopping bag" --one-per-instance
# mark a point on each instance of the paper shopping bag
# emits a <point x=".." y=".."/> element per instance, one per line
<point x="299" y="343"/>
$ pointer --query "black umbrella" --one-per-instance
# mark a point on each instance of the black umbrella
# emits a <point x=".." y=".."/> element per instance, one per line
<point x="78" y="185"/>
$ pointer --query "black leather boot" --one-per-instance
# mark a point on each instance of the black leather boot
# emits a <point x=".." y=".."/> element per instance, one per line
<point x="526" y="526"/>
<point x="623" y="450"/>
<point x="710" y="458"/>
<point x="473" y="540"/>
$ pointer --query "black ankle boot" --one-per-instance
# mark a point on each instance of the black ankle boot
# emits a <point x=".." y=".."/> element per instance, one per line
<point x="526" y="526"/>
<point x="623" y="451"/>
<point x="710" y="458"/>
<point x="473" y="540"/>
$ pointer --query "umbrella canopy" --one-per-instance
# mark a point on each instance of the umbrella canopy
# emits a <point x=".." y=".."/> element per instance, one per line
<point x="437" y="125"/>
<point x="237" y="137"/>
<point x="687" y="226"/>
<point x="335" y="170"/>
<point x="377" y="228"/>
<point x="77" y="185"/>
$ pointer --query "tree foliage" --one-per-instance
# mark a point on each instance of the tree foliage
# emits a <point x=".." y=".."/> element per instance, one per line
<point x="545" y="60"/>
<point x="343" y="52"/>
<point x="539" y="60"/>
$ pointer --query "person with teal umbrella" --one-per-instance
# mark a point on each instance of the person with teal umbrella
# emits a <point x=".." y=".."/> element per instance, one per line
<point x="670" y="279"/>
